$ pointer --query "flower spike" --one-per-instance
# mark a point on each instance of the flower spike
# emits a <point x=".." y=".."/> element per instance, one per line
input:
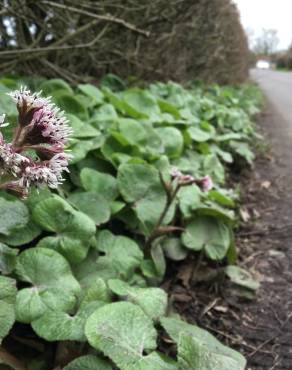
<point x="42" y="127"/>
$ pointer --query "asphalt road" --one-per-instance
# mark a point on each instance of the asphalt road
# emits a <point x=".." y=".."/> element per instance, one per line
<point x="277" y="87"/>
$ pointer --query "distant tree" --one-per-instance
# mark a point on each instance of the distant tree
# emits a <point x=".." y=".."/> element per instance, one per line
<point x="267" y="43"/>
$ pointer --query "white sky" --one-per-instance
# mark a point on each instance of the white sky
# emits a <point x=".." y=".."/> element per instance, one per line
<point x="275" y="14"/>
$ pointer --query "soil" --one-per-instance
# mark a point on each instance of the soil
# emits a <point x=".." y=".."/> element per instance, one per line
<point x="260" y="328"/>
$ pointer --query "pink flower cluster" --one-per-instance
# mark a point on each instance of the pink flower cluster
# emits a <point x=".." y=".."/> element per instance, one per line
<point x="43" y="128"/>
<point x="205" y="183"/>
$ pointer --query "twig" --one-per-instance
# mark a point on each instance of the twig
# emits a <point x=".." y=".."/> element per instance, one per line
<point x="46" y="49"/>
<point x="107" y="17"/>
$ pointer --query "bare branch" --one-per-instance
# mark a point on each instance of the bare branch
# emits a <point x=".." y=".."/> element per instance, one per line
<point x="107" y="17"/>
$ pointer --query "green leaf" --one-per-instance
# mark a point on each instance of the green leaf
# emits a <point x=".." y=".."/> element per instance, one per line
<point x="214" y="168"/>
<point x="243" y="149"/>
<point x="158" y="258"/>
<point x="153" y="301"/>
<point x="172" y="141"/>
<point x="155" y="361"/>
<point x="215" y="210"/>
<point x="167" y="107"/>
<point x="7" y="298"/>
<point x="193" y="355"/>
<point x="221" y="197"/>
<point x="149" y="209"/>
<point x="142" y="102"/>
<point x="50" y="87"/>
<point x="140" y="183"/>
<point x="53" y="214"/>
<point x="80" y="149"/>
<point x="81" y="129"/>
<point x="122" y="332"/>
<point x="53" y="286"/>
<point x="59" y="326"/>
<point x="103" y="184"/>
<point x="13" y="214"/>
<point x="208" y="234"/>
<point x="132" y="130"/>
<point x="22" y="235"/>
<point x="70" y="104"/>
<point x="74" y="229"/>
<point x="121" y="256"/>
<point x="174" y="249"/>
<point x="7" y="259"/>
<point x="189" y="199"/>
<point x="92" y="92"/>
<point x="241" y="277"/>
<point x="93" y="205"/>
<point x="103" y="115"/>
<point x="134" y="180"/>
<point x="96" y="290"/>
<point x="199" y="135"/>
<point x="177" y="329"/>
<point x="88" y="362"/>
<point x="112" y="82"/>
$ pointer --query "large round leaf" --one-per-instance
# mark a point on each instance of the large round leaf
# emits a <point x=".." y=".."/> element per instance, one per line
<point x="121" y="256"/>
<point x="122" y="331"/>
<point x="172" y="141"/>
<point x="81" y="129"/>
<point x="189" y="199"/>
<point x="7" y="259"/>
<point x="56" y="84"/>
<point x="177" y="328"/>
<point x="92" y="92"/>
<point x="199" y="135"/>
<point x="134" y="180"/>
<point x="209" y="234"/>
<point x="154" y="360"/>
<point x="74" y="229"/>
<point x="174" y="249"/>
<point x="100" y="183"/>
<point x="7" y="298"/>
<point x="132" y="130"/>
<point x="70" y="104"/>
<point x="153" y="301"/>
<point x="93" y="205"/>
<point x="22" y="235"/>
<point x="88" y="362"/>
<point x="53" y="286"/>
<point x="13" y="214"/>
<point x="193" y="355"/>
<point x="140" y="103"/>
<point x="53" y="214"/>
<point x="59" y="326"/>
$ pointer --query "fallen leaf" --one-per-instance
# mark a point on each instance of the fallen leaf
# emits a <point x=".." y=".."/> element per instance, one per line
<point x="244" y="214"/>
<point x="266" y="184"/>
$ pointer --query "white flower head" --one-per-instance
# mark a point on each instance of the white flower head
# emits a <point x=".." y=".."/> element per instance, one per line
<point x="27" y="100"/>
<point x="52" y="123"/>
<point x="11" y="161"/>
<point x="42" y="127"/>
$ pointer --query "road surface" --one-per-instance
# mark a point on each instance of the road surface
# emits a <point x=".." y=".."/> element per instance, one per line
<point x="277" y="86"/>
<point x="272" y="312"/>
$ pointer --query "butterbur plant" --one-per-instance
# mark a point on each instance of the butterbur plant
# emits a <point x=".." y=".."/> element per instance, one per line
<point x="36" y="155"/>
<point x="178" y="180"/>
<point x="80" y="271"/>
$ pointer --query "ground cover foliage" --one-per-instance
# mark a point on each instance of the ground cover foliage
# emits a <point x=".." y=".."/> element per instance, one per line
<point x="83" y="264"/>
